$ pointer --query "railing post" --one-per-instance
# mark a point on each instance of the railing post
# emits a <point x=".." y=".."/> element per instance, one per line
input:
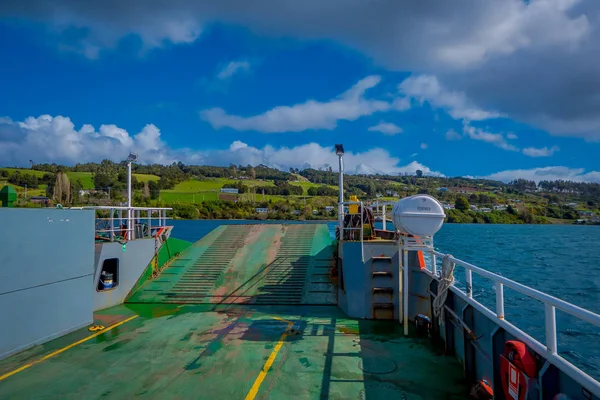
<point x="405" y="289"/>
<point x="362" y="232"/>
<point x="550" y="314"/>
<point x="150" y="221"/>
<point x="383" y="222"/>
<point x="434" y="264"/>
<point x="499" y="300"/>
<point x="112" y="224"/>
<point x="469" y="282"/>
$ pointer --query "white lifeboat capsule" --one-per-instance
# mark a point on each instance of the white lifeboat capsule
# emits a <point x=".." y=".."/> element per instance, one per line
<point x="419" y="215"/>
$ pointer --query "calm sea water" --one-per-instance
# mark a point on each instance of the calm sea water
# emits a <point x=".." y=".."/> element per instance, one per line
<point x="561" y="260"/>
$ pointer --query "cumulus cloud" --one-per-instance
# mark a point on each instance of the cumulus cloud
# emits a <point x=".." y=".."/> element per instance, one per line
<point x="48" y="139"/>
<point x="547" y="173"/>
<point x="424" y="146"/>
<point x="232" y="68"/>
<point x="55" y="139"/>
<point x="451" y="134"/>
<point x="497" y="139"/>
<point x="494" y="53"/>
<point x="540" y="152"/>
<point x="386" y="128"/>
<point x="311" y="114"/>
<point x="426" y="88"/>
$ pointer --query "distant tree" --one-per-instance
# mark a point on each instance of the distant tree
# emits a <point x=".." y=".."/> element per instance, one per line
<point x="419" y="173"/>
<point x="62" y="188"/>
<point x="461" y="204"/>
<point x="146" y="190"/>
<point x="154" y="190"/>
<point x="511" y="210"/>
<point x="252" y="173"/>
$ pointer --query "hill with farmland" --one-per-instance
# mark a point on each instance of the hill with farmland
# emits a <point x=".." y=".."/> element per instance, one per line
<point x="248" y="192"/>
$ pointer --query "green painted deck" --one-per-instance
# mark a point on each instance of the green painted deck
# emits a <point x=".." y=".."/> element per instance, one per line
<point x="256" y="319"/>
<point x="249" y="264"/>
<point x="218" y="352"/>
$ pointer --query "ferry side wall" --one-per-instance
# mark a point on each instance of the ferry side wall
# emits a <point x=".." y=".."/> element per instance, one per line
<point x="46" y="273"/>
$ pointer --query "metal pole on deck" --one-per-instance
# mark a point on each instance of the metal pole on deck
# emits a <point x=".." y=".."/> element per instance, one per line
<point x="383" y="224"/>
<point x="339" y="151"/>
<point x="405" y="291"/>
<point x="130" y="160"/>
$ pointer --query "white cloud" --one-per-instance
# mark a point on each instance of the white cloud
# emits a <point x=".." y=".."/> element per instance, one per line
<point x="426" y="88"/>
<point x="494" y="53"/>
<point x="497" y="139"/>
<point x="233" y="68"/>
<point x="424" y="146"/>
<point x="48" y="139"/>
<point x="386" y="128"/>
<point x="311" y="114"/>
<point x="453" y="135"/>
<point x="540" y="152"/>
<point x="511" y="136"/>
<point x="547" y="173"/>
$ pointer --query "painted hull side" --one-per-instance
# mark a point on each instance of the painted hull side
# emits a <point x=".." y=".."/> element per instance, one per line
<point x="132" y="263"/>
<point x="46" y="271"/>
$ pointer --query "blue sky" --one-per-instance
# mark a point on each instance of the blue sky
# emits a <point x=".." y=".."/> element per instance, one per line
<point x="82" y="85"/>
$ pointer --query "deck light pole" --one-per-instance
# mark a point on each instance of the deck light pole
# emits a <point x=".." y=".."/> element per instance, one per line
<point x="130" y="160"/>
<point x="339" y="151"/>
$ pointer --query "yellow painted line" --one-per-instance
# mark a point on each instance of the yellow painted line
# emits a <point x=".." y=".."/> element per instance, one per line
<point x="263" y="373"/>
<point x="57" y="352"/>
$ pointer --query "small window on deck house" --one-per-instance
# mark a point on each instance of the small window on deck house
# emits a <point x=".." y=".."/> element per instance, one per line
<point x="109" y="275"/>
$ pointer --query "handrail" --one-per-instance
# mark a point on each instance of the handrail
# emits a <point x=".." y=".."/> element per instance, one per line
<point x="362" y="227"/>
<point x="551" y="303"/>
<point x="126" y="219"/>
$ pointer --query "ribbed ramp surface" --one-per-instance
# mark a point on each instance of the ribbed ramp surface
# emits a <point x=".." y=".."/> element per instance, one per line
<point x="249" y="264"/>
<point x="201" y="276"/>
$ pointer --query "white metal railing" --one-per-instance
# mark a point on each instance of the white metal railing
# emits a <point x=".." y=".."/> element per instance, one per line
<point x="126" y="222"/>
<point x="551" y="303"/>
<point x="342" y="228"/>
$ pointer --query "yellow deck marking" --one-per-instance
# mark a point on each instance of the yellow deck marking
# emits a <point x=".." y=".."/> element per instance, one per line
<point x="263" y="373"/>
<point x="57" y="352"/>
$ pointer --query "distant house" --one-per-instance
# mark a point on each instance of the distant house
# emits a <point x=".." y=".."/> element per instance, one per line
<point x="230" y="190"/>
<point x="315" y="212"/>
<point x="262" y="210"/>
<point x="448" y="206"/>
<point x="295" y="212"/>
<point x="572" y="205"/>
<point x="473" y="207"/>
<point x="40" y="200"/>
<point x="329" y="208"/>
<point x="442" y="189"/>
<point x="485" y="209"/>
<point x="227" y="197"/>
<point x="500" y="207"/>
<point x="585" y="213"/>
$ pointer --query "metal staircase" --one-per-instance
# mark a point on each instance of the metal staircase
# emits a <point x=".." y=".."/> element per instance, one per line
<point x="382" y="289"/>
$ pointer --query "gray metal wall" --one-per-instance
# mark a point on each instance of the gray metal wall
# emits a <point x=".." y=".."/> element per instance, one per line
<point x="132" y="262"/>
<point x="46" y="273"/>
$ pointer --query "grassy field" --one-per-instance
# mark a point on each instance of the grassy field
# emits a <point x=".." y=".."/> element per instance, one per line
<point x="171" y="196"/>
<point x="307" y="185"/>
<point x="146" y="177"/>
<point x="39" y="174"/>
<point x="21" y="190"/>
<point x="84" y="177"/>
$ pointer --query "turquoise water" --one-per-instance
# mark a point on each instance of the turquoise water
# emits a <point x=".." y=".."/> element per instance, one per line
<point x="561" y="260"/>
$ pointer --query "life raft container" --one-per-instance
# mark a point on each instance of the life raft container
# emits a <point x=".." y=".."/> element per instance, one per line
<point x="517" y="368"/>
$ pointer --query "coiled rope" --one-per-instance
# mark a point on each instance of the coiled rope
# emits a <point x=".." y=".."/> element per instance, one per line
<point x="446" y="280"/>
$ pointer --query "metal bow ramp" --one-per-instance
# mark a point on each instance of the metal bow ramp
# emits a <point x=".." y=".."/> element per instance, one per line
<point x="249" y="264"/>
